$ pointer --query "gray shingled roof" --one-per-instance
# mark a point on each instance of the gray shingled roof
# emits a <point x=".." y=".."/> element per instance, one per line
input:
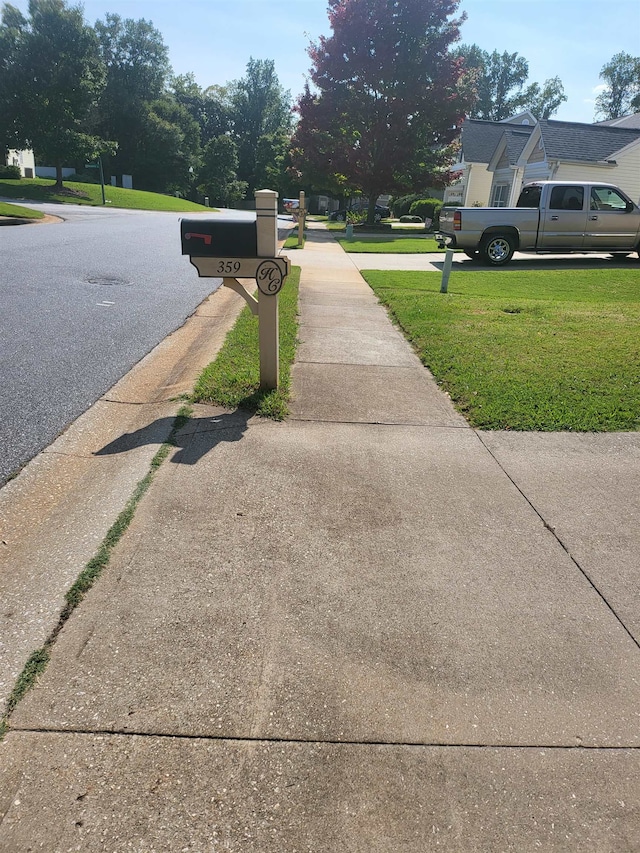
<point x="632" y="121"/>
<point x="516" y="140"/>
<point x="565" y="140"/>
<point x="480" y="138"/>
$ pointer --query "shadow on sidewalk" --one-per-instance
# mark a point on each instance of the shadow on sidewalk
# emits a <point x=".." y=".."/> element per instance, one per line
<point x="192" y="442"/>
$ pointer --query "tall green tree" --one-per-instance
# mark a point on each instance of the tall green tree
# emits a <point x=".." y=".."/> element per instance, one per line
<point x="388" y="98"/>
<point x="158" y="139"/>
<point x="621" y="95"/>
<point x="52" y="76"/>
<point x="544" y="101"/>
<point x="261" y="117"/>
<point x="12" y="27"/>
<point x="499" y="82"/>
<point x="168" y="148"/>
<point x="210" y="108"/>
<point x="218" y="177"/>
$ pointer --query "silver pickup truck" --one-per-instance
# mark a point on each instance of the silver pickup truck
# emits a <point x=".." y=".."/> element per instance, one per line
<point x="551" y="216"/>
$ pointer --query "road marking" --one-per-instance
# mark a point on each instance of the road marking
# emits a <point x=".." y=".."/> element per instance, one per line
<point x="105" y="304"/>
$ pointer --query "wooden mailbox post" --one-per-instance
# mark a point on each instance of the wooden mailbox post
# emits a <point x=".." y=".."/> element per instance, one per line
<point x="232" y="249"/>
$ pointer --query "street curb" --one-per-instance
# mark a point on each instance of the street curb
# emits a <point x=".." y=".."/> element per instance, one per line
<point x="71" y="487"/>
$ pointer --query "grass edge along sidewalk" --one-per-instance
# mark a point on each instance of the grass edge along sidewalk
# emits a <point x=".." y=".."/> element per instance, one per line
<point x="234" y="376"/>
<point x="526" y="350"/>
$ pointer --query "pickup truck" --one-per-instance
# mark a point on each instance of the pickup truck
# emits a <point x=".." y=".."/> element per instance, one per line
<point x="551" y="216"/>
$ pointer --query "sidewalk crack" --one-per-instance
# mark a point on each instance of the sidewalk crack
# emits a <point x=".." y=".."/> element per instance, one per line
<point x="553" y="747"/>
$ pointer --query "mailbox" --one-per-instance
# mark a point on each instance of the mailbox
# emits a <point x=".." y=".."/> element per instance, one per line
<point x="219" y="238"/>
<point x="240" y="248"/>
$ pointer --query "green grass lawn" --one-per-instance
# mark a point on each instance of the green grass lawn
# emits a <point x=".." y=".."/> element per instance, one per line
<point x="527" y="350"/>
<point x="21" y="212"/>
<point x="292" y="240"/>
<point x="39" y="189"/>
<point x="233" y="379"/>
<point x="389" y="244"/>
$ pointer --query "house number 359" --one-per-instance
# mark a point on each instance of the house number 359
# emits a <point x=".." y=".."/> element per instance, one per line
<point x="227" y="267"/>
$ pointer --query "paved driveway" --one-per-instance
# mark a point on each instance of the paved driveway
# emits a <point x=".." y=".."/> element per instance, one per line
<point x="435" y="262"/>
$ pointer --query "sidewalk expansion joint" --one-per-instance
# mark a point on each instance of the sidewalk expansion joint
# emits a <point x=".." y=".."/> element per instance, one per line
<point x="564" y="547"/>
<point x="411" y="367"/>
<point x="552" y="747"/>
<point x="302" y="418"/>
<point x="383" y="332"/>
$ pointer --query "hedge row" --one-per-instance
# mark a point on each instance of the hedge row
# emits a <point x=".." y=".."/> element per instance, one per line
<point x="11" y="172"/>
<point x="427" y="208"/>
<point x="417" y="205"/>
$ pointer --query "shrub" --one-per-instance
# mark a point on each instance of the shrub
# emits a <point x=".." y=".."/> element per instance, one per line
<point x="408" y="218"/>
<point x="427" y="208"/>
<point x="400" y="206"/>
<point x="11" y="172"/>
<point x="356" y="217"/>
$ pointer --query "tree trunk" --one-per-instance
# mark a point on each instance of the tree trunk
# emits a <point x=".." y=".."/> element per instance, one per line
<point x="59" y="184"/>
<point x="371" y="210"/>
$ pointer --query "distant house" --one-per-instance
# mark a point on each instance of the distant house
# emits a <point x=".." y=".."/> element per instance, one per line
<point x="24" y="160"/>
<point x="479" y="139"/>
<point x="497" y="158"/>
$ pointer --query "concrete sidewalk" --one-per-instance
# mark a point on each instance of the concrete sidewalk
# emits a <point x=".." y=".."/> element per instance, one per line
<point x="369" y="628"/>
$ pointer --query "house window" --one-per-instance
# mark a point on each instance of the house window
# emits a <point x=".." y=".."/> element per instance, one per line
<point x="500" y="195"/>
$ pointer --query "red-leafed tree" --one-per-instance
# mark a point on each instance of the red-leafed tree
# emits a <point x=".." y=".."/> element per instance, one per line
<point x="388" y="97"/>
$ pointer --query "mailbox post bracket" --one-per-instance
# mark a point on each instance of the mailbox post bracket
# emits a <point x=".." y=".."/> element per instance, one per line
<point x="234" y="284"/>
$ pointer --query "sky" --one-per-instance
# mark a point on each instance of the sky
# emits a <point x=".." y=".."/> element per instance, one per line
<point x="214" y="39"/>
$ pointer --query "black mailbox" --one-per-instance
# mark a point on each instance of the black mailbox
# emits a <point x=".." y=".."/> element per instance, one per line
<point x="219" y="238"/>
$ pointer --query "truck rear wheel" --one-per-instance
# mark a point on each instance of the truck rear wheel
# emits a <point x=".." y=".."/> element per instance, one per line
<point x="497" y="249"/>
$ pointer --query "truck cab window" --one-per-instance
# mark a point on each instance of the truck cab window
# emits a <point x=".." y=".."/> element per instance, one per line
<point x="606" y="198"/>
<point x="529" y="197"/>
<point x="567" y="198"/>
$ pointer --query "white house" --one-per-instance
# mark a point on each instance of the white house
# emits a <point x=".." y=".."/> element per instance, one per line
<point x="544" y="150"/>
<point x="24" y="160"/>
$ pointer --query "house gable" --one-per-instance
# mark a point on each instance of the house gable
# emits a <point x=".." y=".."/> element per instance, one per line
<point x="480" y="138"/>
<point x="509" y="149"/>
<point x="523" y="119"/>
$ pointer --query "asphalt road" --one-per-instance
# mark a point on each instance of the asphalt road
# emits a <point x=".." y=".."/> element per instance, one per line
<point x="81" y="303"/>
